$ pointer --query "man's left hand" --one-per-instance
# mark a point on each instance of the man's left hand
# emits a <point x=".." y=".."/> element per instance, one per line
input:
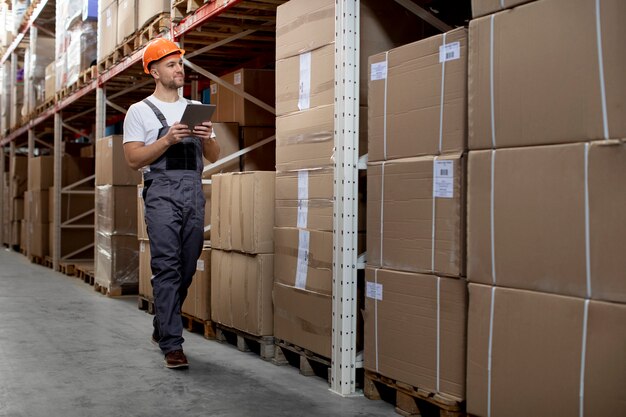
<point x="203" y="130"/>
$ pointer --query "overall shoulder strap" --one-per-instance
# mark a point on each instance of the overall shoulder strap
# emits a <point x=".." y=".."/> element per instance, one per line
<point x="156" y="111"/>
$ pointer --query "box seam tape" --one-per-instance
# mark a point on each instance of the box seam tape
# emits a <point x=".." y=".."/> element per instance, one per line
<point x="490" y="349"/>
<point x="438" y="332"/>
<point x="433" y="228"/>
<point x="587" y="227"/>
<point x="382" y="210"/>
<point x="376" y="317"/>
<point x="385" y="108"/>
<point x="605" y="121"/>
<point x="583" y="359"/>
<point x="443" y="82"/>
<point x="491" y="88"/>
<point x="492" y="219"/>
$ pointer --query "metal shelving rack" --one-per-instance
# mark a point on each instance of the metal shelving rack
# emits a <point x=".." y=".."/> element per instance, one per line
<point x="221" y="35"/>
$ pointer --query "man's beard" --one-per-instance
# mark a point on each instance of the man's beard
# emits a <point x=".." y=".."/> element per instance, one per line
<point x="174" y="84"/>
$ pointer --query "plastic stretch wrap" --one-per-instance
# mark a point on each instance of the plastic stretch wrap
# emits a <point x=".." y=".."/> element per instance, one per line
<point x="117" y="260"/>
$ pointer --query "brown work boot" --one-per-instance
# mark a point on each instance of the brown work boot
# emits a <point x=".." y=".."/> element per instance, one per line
<point x="176" y="359"/>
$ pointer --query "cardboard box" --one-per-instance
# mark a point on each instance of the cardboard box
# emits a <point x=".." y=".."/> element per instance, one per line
<point x="17" y="209"/>
<point x="39" y="207"/>
<point x="421" y="204"/>
<point x="117" y="261"/>
<point x="111" y="165"/>
<point x="232" y="107"/>
<point x="145" y="270"/>
<point x="142" y="231"/>
<point x="304" y="259"/>
<point x="307" y="81"/>
<point x="242" y="216"/>
<point x="24" y="235"/>
<point x="126" y="19"/>
<point x="149" y="10"/>
<point x="198" y="301"/>
<point x="538" y="97"/>
<point x="76" y="243"/>
<point x="535" y="215"/>
<point x="484" y="7"/>
<point x="73" y="205"/>
<point x="107" y="29"/>
<point x="263" y="158"/>
<point x="50" y="81"/>
<point x="415" y="330"/>
<point x="303" y="318"/>
<point x="18" y="170"/>
<point x="206" y="190"/>
<point x="39" y="239"/>
<point x="116" y="209"/>
<point x="544" y="340"/>
<point x="303" y="26"/>
<point x="15" y="233"/>
<point x="227" y="136"/>
<point x="41" y="171"/>
<point x="241" y="291"/>
<point x="88" y="151"/>
<point x="418" y="94"/>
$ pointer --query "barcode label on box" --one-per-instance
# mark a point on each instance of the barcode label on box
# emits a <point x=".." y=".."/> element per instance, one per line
<point x="449" y="51"/>
<point x="237" y="78"/>
<point x="200" y="265"/>
<point x="379" y="71"/>
<point x="213" y="88"/>
<point x="110" y="142"/>
<point x="443" y="179"/>
<point x="374" y="291"/>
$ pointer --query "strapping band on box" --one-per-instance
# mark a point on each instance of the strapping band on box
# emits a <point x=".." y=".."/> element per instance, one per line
<point x="318" y="136"/>
<point x="382" y="211"/>
<point x="490" y="349"/>
<point x="303" y="19"/>
<point x="492" y="219"/>
<point x="303" y="258"/>
<point x="438" y="331"/>
<point x="582" y="361"/>
<point x="605" y="118"/>
<point x="443" y="84"/>
<point x="376" y="317"/>
<point x="493" y="119"/>
<point x="433" y="229"/>
<point x="587" y="227"/>
<point x="385" y="109"/>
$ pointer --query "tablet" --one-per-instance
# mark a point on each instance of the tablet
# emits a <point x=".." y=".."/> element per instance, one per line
<point x="197" y="113"/>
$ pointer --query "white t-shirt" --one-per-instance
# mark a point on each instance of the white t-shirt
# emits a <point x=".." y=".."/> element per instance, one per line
<point x="142" y="125"/>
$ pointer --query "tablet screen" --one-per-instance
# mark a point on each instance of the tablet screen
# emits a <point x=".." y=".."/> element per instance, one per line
<point x="197" y="113"/>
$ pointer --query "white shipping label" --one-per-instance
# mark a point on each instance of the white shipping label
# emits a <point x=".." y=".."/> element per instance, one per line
<point x="304" y="96"/>
<point x="443" y="179"/>
<point x="110" y="142"/>
<point x="200" y="265"/>
<point x="237" y="78"/>
<point x="303" y="199"/>
<point x="213" y="88"/>
<point x="142" y="247"/>
<point x="449" y="51"/>
<point x="303" y="259"/>
<point x="374" y="291"/>
<point x="139" y="192"/>
<point x="379" y="71"/>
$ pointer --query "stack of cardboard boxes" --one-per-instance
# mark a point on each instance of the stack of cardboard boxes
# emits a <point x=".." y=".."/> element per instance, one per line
<point x="117" y="248"/>
<point x="242" y="259"/>
<point x="546" y="218"/>
<point x="39" y="207"/>
<point x="305" y="67"/>
<point x="17" y="186"/>
<point x="415" y="306"/>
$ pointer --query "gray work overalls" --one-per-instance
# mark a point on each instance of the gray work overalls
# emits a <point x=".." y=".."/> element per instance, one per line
<point x="174" y="216"/>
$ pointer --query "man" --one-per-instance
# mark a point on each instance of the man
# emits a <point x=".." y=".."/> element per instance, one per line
<point x="170" y="156"/>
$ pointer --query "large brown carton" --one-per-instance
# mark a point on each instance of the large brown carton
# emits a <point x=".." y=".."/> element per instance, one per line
<point x="415" y="329"/>
<point x="145" y="270"/>
<point x="304" y="258"/>
<point x="117" y="261"/>
<point x="116" y="209"/>
<point x="39" y="207"/>
<point x="306" y="81"/>
<point x="242" y="216"/>
<point x="421" y="205"/>
<point x="50" y="81"/>
<point x="24" y="235"/>
<point x="484" y="7"/>
<point x="111" y="166"/>
<point x="126" y="19"/>
<point x="142" y="231"/>
<point x="539" y="78"/>
<point x="302" y="26"/>
<point x="16" y="233"/>
<point x="263" y="158"/>
<point x="38" y="239"/>
<point x="73" y="206"/>
<point x="418" y="98"/>
<point x="17" y="209"/>
<point x="241" y="295"/>
<point x="41" y="171"/>
<point x="550" y="218"/>
<point x="567" y="355"/>
<point x="149" y="10"/>
<point x="235" y="108"/>
<point x="198" y="302"/>
<point x="107" y="29"/>
<point x="18" y="175"/>
<point x="303" y="318"/>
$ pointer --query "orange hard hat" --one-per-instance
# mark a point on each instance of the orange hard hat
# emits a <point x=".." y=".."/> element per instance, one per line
<point x="157" y="49"/>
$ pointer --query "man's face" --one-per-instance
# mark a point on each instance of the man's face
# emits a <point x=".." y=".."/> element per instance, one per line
<point x="170" y="71"/>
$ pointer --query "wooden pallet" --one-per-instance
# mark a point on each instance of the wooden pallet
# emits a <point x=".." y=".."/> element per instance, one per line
<point x="47" y="262"/>
<point x="184" y="8"/>
<point x="413" y="401"/>
<point x="246" y="342"/>
<point x="145" y="303"/>
<point x="67" y="267"/>
<point x="115" y="291"/>
<point x="310" y="363"/>
<point x="196" y="325"/>
<point x="37" y="260"/>
<point x="156" y="27"/>
<point x="85" y="272"/>
<point x="42" y="107"/>
<point x="84" y="78"/>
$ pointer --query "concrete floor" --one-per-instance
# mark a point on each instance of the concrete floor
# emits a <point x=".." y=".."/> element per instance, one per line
<point x="67" y="351"/>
